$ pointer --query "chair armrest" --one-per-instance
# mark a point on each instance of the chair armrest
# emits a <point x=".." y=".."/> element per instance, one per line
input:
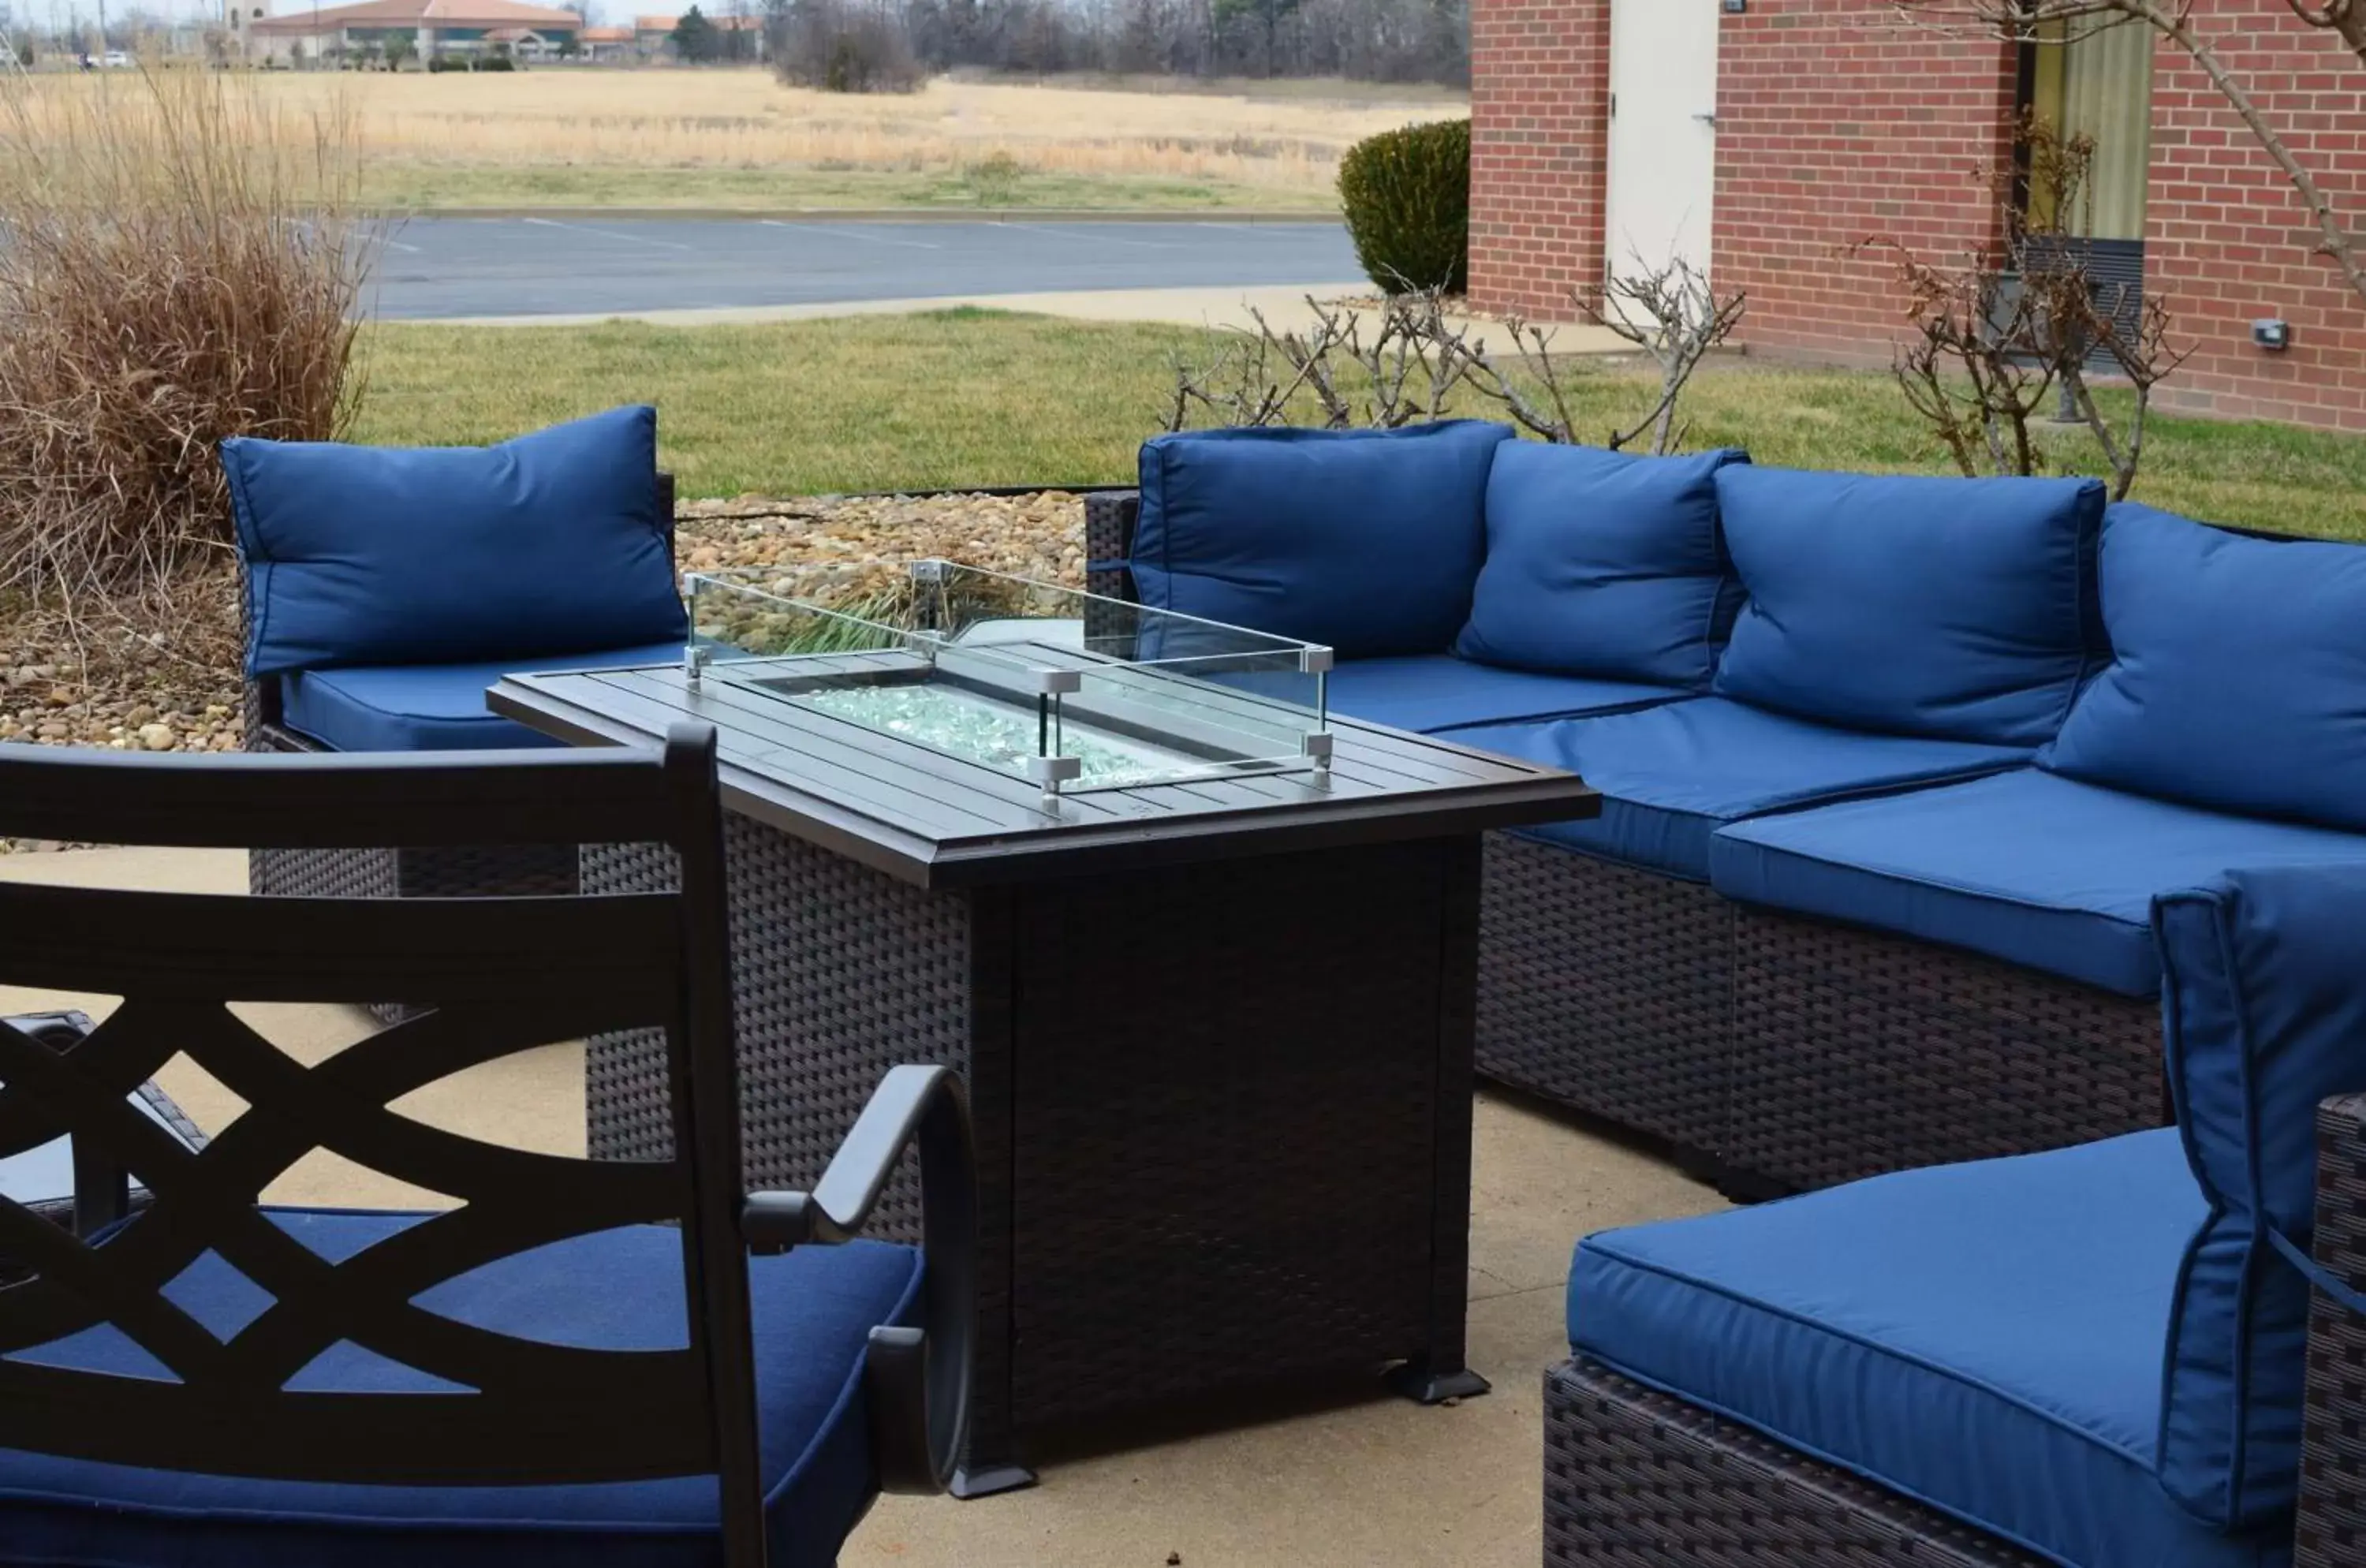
<point x="915" y="1380"/>
<point x="2332" y="1520"/>
<point x="1109" y="519"/>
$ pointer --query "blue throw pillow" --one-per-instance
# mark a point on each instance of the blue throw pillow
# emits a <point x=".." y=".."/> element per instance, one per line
<point x="1366" y="541"/>
<point x="550" y="543"/>
<point x="2238" y="672"/>
<point x="1599" y="563"/>
<point x="1948" y="607"/>
<point x="2265" y="1015"/>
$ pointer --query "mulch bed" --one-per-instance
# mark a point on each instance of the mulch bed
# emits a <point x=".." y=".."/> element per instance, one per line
<point x="132" y="691"/>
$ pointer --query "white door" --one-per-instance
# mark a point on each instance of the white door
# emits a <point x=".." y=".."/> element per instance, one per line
<point x="1662" y="131"/>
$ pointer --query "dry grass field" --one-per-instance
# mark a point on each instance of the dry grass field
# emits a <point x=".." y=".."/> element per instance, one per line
<point x="739" y="139"/>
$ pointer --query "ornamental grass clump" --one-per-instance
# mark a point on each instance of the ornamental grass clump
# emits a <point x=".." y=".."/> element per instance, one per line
<point x="180" y="261"/>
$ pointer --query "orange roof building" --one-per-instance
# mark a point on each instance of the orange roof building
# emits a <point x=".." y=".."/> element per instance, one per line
<point x="432" y="24"/>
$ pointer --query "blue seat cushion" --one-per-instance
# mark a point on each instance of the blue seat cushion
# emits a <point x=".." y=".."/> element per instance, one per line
<point x="1601" y="563"/>
<point x="429" y="708"/>
<point x="1950" y="608"/>
<point x="1670" y="776"/>
<point x="1434" y="692"/>
<point x="2238" y="672"/>
<point x="616" y="1289"/>
<point x="1366" y="541"/>
<point x="2025" y="866"/>
<point x="1986" y="1338"/>
<point x="2266" y="1016"/>
<point x="552" y="542"/>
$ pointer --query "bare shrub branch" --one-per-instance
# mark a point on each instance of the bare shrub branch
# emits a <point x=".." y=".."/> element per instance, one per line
<point x="1671" y="313"/>
<point x="1417" y="358"/>
<point x="1997" y="336"/>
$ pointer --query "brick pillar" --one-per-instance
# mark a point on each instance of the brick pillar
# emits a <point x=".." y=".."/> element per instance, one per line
<point x="1540" y="132"/>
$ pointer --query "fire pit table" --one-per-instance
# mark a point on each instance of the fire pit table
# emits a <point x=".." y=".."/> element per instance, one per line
<point x="1205" y="953"/>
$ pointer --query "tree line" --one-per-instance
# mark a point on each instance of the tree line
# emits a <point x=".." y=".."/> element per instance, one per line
<point x="873" y="44"/>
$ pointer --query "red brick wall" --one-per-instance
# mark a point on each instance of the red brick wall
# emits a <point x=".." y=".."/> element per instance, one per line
<point x="1539" y="125"/>
<point x="2229" y="239"/>
<point x="1837" y="125"/>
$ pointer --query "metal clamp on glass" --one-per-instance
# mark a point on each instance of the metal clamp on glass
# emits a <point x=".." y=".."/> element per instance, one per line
<point x="1053" y="771"/>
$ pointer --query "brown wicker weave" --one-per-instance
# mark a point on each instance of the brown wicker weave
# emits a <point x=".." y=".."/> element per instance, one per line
<point x="1859" y="1051"/>
<point x="1608" y="991"/>
<point x="2332" y="1530"/>
<point x="1161" y="1217"/>
<point x="1635" y="1479"/>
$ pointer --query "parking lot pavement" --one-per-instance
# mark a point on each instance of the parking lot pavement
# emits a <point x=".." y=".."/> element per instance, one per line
<point x="448" y="268"/>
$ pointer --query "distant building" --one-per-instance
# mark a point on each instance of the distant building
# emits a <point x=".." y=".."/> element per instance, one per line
<point x="606" y="43"/>
<point x="433" y="27"/>
<point x="653" y="36"/>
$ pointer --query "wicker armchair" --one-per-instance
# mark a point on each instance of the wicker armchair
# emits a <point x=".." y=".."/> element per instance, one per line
<point x="1658" y="1006"/>
<point x="1635" y="1477"/>
<point x="476" y="870"/>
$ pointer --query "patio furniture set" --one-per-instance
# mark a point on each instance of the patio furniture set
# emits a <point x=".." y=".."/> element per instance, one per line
<point x="1977" y="862"/>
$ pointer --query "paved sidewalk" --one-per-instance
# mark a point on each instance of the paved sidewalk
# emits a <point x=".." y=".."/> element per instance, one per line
<point x="1368" y="1480"/>
<point x="1284" y="307"/>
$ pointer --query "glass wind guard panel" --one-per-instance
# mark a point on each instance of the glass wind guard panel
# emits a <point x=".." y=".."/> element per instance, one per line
<point x="1069" y="690"/>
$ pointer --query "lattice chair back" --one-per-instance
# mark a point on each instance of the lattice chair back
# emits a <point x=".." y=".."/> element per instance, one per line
<point x="505" y="975"/>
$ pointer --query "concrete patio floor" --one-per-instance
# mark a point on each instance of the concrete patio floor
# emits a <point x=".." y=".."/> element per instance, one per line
<point x="1364" y="1479"/>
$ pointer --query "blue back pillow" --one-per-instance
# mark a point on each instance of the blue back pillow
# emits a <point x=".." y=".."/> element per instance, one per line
<point x="1366" y="541"/>
<point x="1946" y="607"/>
<point x="550" y="543"/>
<point x="2238" y="672"/>
<point x="2264" y="1007"/>
<point x="1600" y="563"/>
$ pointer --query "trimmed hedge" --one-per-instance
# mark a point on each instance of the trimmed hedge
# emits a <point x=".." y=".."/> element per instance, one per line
<point x="1407" y="197"/>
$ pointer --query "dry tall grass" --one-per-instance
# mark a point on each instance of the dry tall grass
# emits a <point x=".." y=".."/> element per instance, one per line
<point x="178" y="263"/>
<point x="745" y="119"/>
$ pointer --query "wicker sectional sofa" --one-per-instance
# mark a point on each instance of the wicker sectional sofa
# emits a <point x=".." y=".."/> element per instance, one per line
<point x="2124" y="1354"/>
<point x="1852" y="905"/>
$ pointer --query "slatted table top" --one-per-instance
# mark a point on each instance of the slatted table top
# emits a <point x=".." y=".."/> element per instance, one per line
<point x="940" y="821"/>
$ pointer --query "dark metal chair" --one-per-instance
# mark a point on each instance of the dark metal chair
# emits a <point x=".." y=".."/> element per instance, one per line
<point x="581" y="1361"/>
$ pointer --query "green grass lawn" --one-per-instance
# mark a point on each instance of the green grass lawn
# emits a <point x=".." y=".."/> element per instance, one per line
<point x="980" y="397"/>
<point x="395" y="186"/>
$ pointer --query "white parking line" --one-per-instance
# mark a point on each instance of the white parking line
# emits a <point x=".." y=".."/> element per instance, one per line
<point x="846" y="232"/>
<point x="609" y="234"/>
<point x="398" y="246"/>
<point x="1091" y="231"/>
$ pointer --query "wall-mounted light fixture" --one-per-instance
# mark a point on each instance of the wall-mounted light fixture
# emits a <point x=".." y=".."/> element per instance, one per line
<point x="2272" y="333"/>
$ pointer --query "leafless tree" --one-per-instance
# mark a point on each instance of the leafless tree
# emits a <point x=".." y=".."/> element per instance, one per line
<point x="2042" y="21"/>
<point x="1413" y="359"/>
<point x="2002" y="332"/>
<point x="1672" y="315"/>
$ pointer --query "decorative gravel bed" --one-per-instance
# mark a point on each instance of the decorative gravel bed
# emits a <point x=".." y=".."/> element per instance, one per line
<point x="132" y="692"/>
